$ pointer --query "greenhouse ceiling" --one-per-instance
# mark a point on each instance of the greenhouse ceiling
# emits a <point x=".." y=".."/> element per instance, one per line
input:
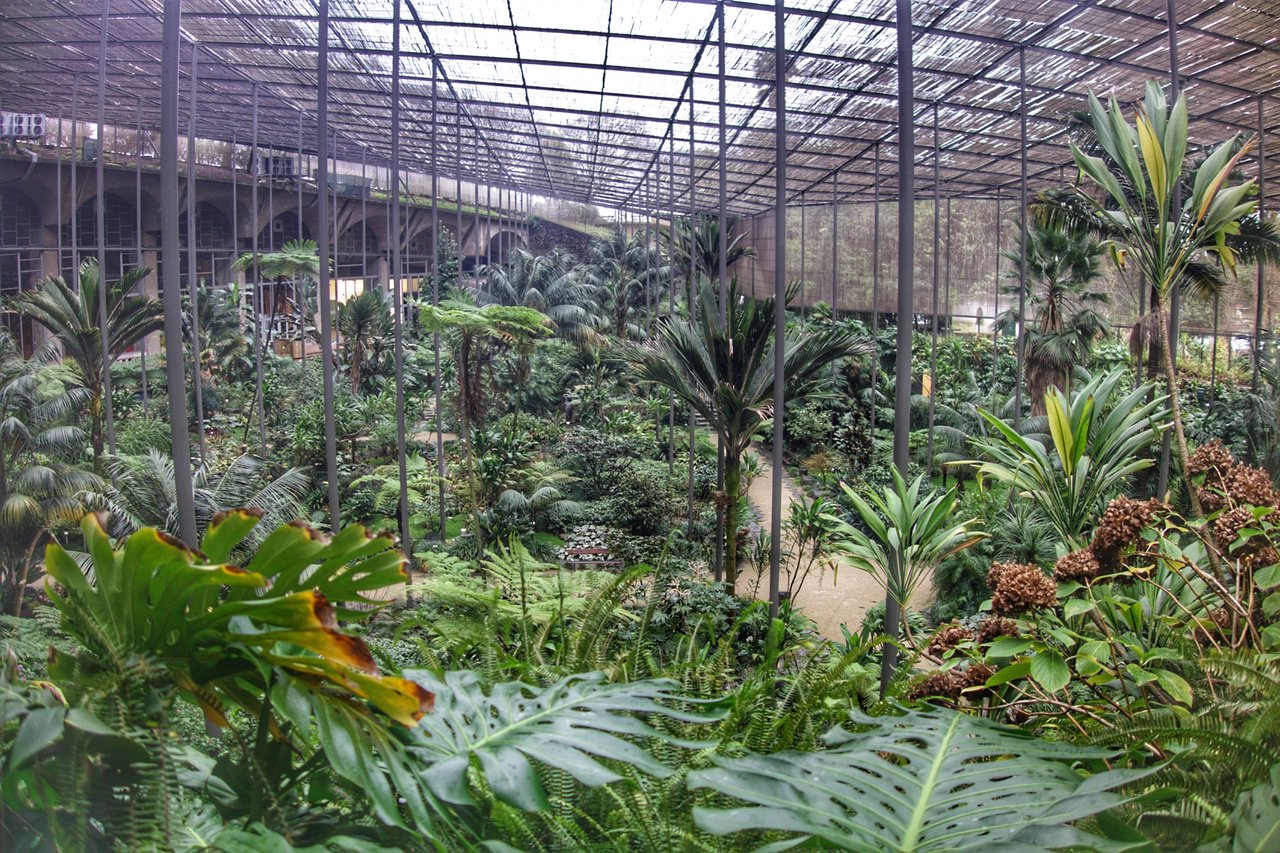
<point x="589" y="100"/>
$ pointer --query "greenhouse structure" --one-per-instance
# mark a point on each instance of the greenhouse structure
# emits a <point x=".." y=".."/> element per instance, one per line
<point x="639" y="425"/>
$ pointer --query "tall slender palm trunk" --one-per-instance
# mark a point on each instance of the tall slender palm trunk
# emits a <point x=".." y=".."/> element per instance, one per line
<point x="1171" y="376"/>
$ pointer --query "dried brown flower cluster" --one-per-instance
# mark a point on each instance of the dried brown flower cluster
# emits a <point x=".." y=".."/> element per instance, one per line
<point x="940" y="685"/>
<point x="1121" y="525"/>
<point x="1019" y="587"/>
<point x="1228" y="483"/>
<point x="1079" y="565"/>
<point x="996" y="626"/>
<point x="947" y="638"/>
<point x="976" y="677"/>
<point x="948" y="687"/>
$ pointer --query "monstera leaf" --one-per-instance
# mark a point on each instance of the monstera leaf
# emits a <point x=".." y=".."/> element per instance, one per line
<point x="1255" y="821"/>
<point x="573" y="725"/>
<point x="925" y="781"/>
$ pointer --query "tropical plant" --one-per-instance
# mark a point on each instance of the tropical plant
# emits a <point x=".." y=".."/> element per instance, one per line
<point x="631" y="276"/>
<point x="1149" y="159"/>
<point x="1098" y="440"/>
<point x="552" y="284"/>
<point x="364" y="322"/>
<point x="924" y="781"/>
<point x="724" y="370"/>
<point x="141" y="492"/>
<point x="910" y="535"/>
<point x="1062" y="263"/>
<point x="38" y="483"/>
<point x="703" y="242"/>
<point x="71" y="315"/>
<point x="223" y="349"/>
<point x="154" y="622"/>
<point x="297" y="261"/>
<point x="469" y="328"/>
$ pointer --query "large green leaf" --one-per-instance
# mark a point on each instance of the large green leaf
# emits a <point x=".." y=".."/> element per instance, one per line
<point x="571" y="725"/>
<point x="1255" y="821"/>
<point x="925" y="781"/>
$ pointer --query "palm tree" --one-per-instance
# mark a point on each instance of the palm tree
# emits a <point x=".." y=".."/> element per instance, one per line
<point x="37" y="487"/>
<point x="364" y="321"/>
<point x="71" y="315"/>
<point x="631" y="276"/>
<point x="724" y="370"/>
<point x="704" y="243"/>
<point x="1162" y="241"/>
<point x="141" y="493"/>
<point x="553" y="284"/>
<point x="223" y="347"/>
<point x="1061" y="265"/>
<point x="469" y="328"/>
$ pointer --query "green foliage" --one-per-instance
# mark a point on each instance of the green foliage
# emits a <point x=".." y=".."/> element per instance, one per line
<point x="573" y="725"/>
<point x="924" y="781"/>
<point x="1095" y="444"/>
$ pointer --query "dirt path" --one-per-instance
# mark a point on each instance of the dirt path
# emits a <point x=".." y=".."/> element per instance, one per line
<point x="835" y="598"/>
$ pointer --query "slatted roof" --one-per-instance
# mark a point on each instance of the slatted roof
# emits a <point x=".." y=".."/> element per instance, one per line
<point x="589" y="100"/>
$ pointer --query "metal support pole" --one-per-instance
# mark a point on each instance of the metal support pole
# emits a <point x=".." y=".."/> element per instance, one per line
<point x="722" y="532"/>
<point x="299" y="283"/>
<point x="326" y="309"/>
<point x="1022" y="252"/>
<point x="193" y="284"/>
<point x="58" y="194"/>
<point x="933" y="295"/>
<point x="172" y="261"/>
<point x="693" y="283"/>
<point x="875" y="295"/>
<point x="835" y="240"/>
<point x="804" y="238"/>
<point x="256" y="287"/>
<point x="906" y="260"/>
<point x="995" y="326"/>
<point x="397" y="284"/>
<point x="364" y="217"/>
<point x="1213" y="361"/>
<point x="435" y="289"/>
<point x="1262" y="217"/>
<point x="1175" y="290"/>
<point x="137" y="228"/>
<point x="779" y="295"/>
<point x="100" y="210"/>
<point x="75" y="186"/>
<point x="671" y="288"/>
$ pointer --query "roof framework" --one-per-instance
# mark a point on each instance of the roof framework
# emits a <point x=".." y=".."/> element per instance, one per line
<point x="581" y="100"/>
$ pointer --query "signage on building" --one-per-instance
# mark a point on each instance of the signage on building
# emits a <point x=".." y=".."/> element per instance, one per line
<point x="21" y="125"/>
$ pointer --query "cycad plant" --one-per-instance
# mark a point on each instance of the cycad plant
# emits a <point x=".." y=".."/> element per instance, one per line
<point x="364" y="322"/>
<point x="1062" y="265"/>
<point x="39" y="482"/>
<point x="724" y="370"/>
<point x="702" y="240"/>
<point x="631" y="276"/>
<point x="1139" y="179"/>
<point x="553" y="284"/>
<point x="141" y="493"/>
<point x="71" y="315"/>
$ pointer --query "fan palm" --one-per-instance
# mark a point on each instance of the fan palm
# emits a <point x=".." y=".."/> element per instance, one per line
<point x="37" y="490"/>
<point x="1149" y="159"/>
<point x="1061" y="264"/>
<point x="553" y="284"/>
<point x="142" y="493"/>
<point x="71" y="315"/>
<point x="724" y="370"/>
<point x="364" y="321"/>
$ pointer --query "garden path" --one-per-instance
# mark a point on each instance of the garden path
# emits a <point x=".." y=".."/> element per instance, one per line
<point x="836" y="598"/>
